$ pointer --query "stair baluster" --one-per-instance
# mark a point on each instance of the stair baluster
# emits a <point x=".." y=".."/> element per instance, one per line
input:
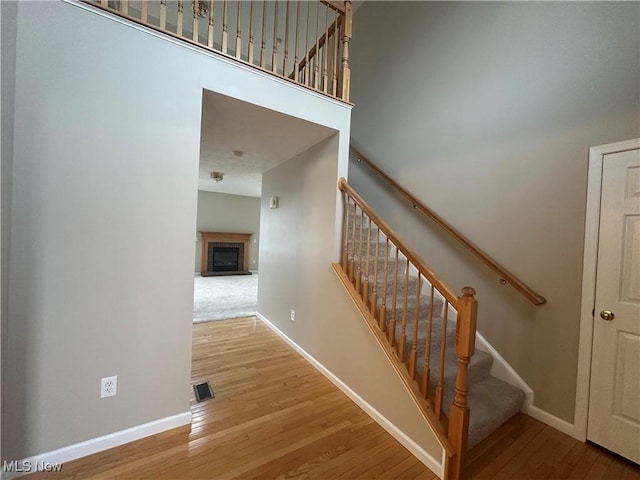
<point x="359" y="262"/>
<point x="239" y="31"/>
<point x="383" y="298"/>
<point x="210" y="25"/>
<point x="424" y="381"/>
<point x="394" y="299"/>
<point x="403" y="327"/>
<point x="413" y="357"/>
<point x="365" y="288"/>
<point x="163" y="14"/>
<point x="345" y="237"/>
<point x="352" y="266"/>
<point x="443" y="345"/>
<point x="374" y="295"/>
<point x="144" y="11"/>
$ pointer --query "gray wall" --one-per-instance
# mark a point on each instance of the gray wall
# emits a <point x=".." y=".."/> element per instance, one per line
<point x="297" y="248"/>
<point x="221" y="212"/>
<point x="106" y="150"/>
<point x="486" y="112"/>
<point x="101" y="278"/>
<point x="8" y="16"/>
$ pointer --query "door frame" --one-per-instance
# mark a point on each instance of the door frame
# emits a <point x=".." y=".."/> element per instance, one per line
<point x="591" y="232"/>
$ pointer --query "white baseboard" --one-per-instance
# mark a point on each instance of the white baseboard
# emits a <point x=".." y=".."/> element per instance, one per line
<point x="95" y="445"/>
<point x="552" y="421"/>
<point x="429" y="461"/>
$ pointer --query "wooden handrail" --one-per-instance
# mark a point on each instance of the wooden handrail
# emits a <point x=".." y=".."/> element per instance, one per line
<point x="412" y="256"/>
<point x="505" y="275"/>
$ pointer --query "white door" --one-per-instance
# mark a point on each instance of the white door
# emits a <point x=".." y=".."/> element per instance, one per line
<point x="614" y="399"/>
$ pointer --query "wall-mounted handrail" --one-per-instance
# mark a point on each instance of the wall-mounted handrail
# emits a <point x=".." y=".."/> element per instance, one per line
<point x="504" y="274"/>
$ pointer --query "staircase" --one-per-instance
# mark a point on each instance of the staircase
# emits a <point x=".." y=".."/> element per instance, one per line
<point x="428" y="330"/>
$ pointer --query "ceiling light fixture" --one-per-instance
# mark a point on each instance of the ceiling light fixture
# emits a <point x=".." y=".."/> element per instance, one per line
<point x="217" y="176"/>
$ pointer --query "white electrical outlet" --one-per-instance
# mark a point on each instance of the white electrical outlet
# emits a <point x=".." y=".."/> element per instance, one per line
<point x="293" y="315"/>
<point x="109" y="387"/>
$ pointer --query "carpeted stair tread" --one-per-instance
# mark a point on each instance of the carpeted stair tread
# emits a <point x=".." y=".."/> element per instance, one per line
<point x="479" y="368"/>
<point x="479" y="365"/>
<point x="425" y="302"/>
<point x="491" y="402"/>
<point x="411" y="288"/>
<point x="382" y="252"/>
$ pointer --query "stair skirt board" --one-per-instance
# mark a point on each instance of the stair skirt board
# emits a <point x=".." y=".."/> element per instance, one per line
<point x="492" y="399"/>
<point x="502" y="370"/>
<point x="433" y="464"/>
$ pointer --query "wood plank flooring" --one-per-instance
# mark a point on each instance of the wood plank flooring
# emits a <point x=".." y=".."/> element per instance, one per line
<point x="276" y="417"/>
<point x="524" y="448"/>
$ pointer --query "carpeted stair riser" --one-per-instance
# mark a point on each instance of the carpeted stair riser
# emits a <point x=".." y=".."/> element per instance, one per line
<point x="492" y="401"/>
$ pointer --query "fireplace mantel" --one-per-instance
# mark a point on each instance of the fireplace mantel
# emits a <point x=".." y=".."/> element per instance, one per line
<point x="224" y="237"/>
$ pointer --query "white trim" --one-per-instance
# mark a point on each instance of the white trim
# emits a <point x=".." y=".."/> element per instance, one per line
<point x="217" y="56"/>
<point x="551" y="420"/>
<point x="592" y="223"/>
<point x="430" y="462"/>
<point x="105" y="442"/>
<point x="501" y="369"/>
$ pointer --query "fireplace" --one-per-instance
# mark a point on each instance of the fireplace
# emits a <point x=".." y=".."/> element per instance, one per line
<point x="225" y="253"/>
<point x="225" y="257"/>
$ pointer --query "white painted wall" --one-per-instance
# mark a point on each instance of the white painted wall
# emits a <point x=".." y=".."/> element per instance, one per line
<point x="222" y="212"/>
<point x="107" y="127"/>
<point x="296" y="252"/>
<point x="486" y="111"/>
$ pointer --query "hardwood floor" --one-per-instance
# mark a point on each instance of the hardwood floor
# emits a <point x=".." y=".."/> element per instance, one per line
<point x="524" y="448"/>
<point x="276" y="417"/>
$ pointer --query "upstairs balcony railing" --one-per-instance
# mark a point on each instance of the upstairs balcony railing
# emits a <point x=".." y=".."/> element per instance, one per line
<point x="304" y="42"/>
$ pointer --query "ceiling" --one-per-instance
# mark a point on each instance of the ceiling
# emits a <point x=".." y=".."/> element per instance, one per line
<point x="267" y="138"/>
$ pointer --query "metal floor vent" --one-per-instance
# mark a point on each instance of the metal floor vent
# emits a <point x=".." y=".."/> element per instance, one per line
<point x="203" y="391"/>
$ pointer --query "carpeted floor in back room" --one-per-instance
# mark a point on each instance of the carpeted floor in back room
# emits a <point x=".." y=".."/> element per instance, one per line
<point x="218" y="298"/>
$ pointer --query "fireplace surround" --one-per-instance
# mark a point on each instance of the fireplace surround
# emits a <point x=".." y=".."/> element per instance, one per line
<point x="225" y="253"/>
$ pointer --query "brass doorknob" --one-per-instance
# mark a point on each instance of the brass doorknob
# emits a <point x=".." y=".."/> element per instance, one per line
<point x="607" y="315"/>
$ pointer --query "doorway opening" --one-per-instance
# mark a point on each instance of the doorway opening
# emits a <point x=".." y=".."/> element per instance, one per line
<point x="239" y="141"/>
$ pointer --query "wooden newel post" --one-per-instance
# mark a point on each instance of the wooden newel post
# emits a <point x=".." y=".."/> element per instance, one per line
<point x="345" y="73"/>
<point x="345" y="233"/>
<point x="465" y="346"/>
